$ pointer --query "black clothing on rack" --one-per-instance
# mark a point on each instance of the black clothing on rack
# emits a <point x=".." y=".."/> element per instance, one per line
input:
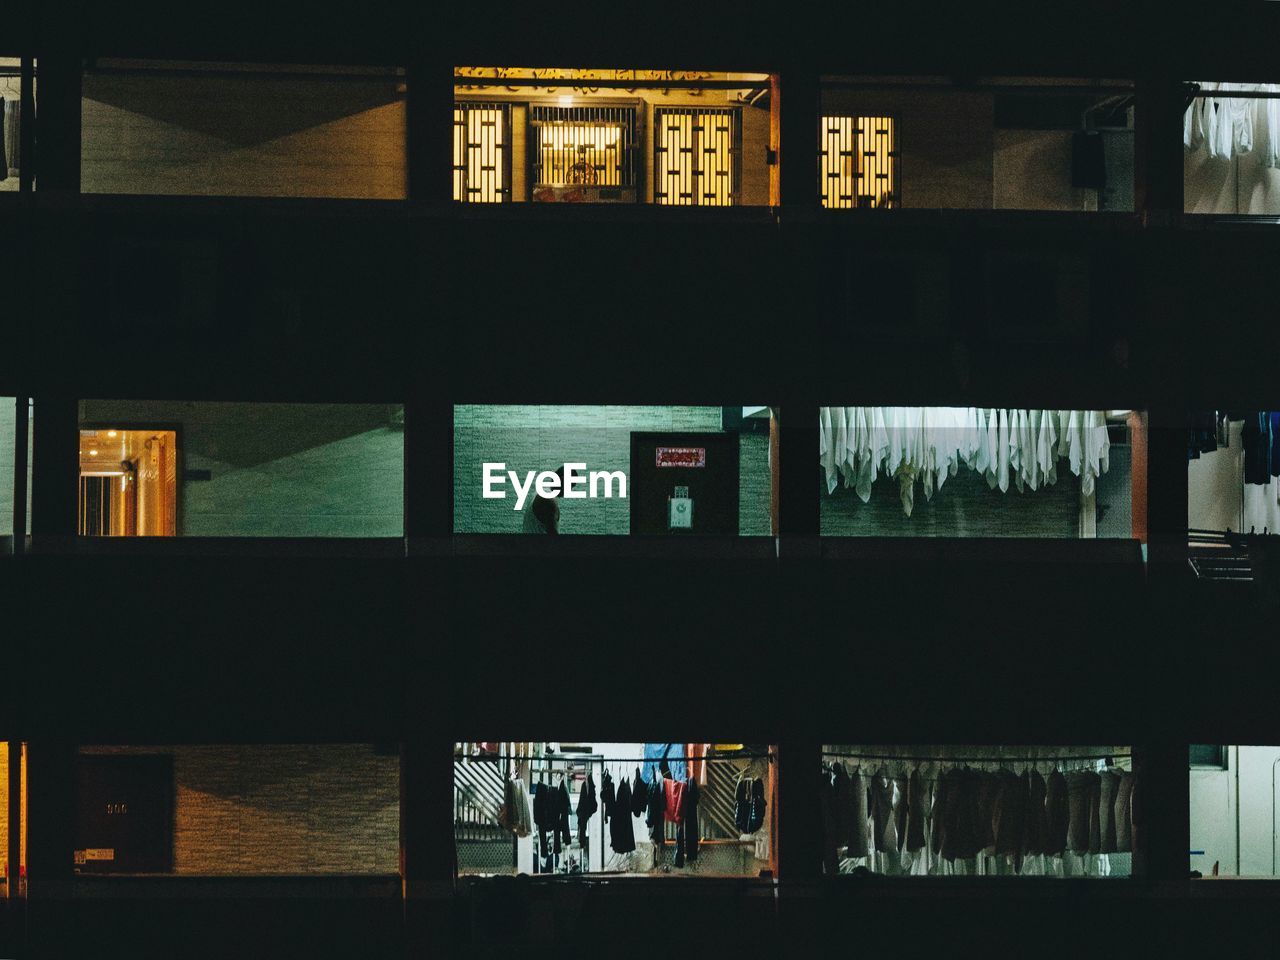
<point x="621" y="836"/>
<point x="756" y="819"/>
<point x="606" y="794"/>
<point x="563" y="807"/>
<point x="690" y="823"/>
<point x="656" y="817"/>
<point x="551" y="815"/>
<point x="742" y="805"/>
<point x="1261" y="442"/>
<point x="587" y="806"/>
<point x="639" y="795"/>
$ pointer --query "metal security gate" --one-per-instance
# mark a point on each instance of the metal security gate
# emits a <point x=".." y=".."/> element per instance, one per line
<point x="697" y="156"/>
<point x="481" y="152"/>
<point x="857" y="162"/>
<point x="583" y="145"/>
<point x="482" y="844"/>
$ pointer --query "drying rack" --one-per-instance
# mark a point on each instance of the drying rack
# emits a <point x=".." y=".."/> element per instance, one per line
<point x="1221" y="554"/>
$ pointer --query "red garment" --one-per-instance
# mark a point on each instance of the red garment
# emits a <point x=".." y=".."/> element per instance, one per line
<point x="675" y="799"/>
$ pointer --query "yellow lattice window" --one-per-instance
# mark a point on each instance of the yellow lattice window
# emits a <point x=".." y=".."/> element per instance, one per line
<point x="481" y="152"/>
<point x="583" y="146"/>
<point x="695" y="158"/>
<point x="857" y="162"/>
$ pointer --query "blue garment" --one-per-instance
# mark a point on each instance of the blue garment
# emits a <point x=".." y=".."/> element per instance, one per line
<point x="654" y="752"/>
<point x="1261" y="446"/>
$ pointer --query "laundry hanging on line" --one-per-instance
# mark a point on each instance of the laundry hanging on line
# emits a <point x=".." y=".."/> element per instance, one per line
<point x="858" y="445"/>
<point x="1225" y="125"/>
<point x="961" y="813"/>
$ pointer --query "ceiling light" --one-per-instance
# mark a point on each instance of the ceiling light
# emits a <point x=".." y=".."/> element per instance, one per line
<point x="111" y="433"/>
<point x="93" y="453"/>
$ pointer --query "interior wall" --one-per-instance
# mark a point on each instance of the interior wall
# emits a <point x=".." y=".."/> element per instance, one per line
<point x="755" y="128"/>
<point x="278" y="469"/>
<point x="945" y="142"/>
<point x="1215" y="482"/>
<point x="952" y="156"/>
<point x="1031" y="170"/>
<point x="242" y="136"/>
<point x="293" y="809"/>
<point x="1236" y="802"/>
<point x="1238" y="185"/>
<point x="544" y="437"/>
<point x="8" y="438"/>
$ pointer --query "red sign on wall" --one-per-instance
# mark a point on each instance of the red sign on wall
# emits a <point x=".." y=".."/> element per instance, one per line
<point x="681" y="456"/>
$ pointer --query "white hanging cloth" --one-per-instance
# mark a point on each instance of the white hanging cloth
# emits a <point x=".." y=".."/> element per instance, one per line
<point x="928" y="444"/>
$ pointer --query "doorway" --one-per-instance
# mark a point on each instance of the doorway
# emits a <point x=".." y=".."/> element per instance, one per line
<point x="128" y="482"/>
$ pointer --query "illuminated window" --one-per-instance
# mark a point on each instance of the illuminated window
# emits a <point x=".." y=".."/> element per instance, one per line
<point x="695" y="156"/>
<point x="858" y="162"/>
<point x="579" y="148"/>
<point x="481" y="152"/>
<point x="128" y="483"/>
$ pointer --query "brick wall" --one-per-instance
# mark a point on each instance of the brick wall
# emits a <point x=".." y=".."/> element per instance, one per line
<point x="543" y="437"/>
<point x="282" y="809"/>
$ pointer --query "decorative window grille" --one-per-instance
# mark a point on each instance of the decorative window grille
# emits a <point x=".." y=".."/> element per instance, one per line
<point x="858" y="162"/>
<point x="583" y="145"/>
<point x="481" y="152"/>
<point x="696" y="156"/>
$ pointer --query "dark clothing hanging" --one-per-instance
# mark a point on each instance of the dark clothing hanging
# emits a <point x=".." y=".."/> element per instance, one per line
<point x="1261" y="442"/>
<point x="655" y="818"/>
<point x="587" y="806"/>
<point x="830" y="822"/>
<point x="563" y="807"/>
<point x="690" y="825"/>
<point x="917" y="806"/>
<point x="742" y="805"/>
<point x="1137" y="836"/>
<point x="941" y="811"/>
<point x="639" y="795"/>
<point x="607" y="798"/>
<point x="1083" y="809"/>
<point x="543" y="814"/>
<point x="1107" y="810"/>
<point x="1124" y="813"/>
<point x="857" y="815"/>
<point x="551" y="815"/>
<point x="621" y="836"/>
<point x="1009" y="816"/>
<point x="841" y="811"/>
<point x="983" y="824"/>
<point x="900" y="809"/>
<point x="958" y="795"/>
<point x="758" y="805"/>
<point x="883" y="833"/>
<point x="1036" y="827"/>
<point x="1095" y="813"/>
<point x="1204" y="434"/>
<point x="1057" y="814"/>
